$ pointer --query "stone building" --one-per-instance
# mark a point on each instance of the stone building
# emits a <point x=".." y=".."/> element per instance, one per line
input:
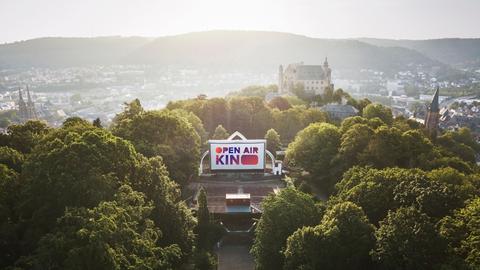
<point x="433" y="114"/>
<point x="314" y="78"/>
<point x="26" y="110"/>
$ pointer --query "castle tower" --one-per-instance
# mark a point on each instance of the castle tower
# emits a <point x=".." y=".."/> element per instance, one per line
<point x="280" y="80"/>
<point x="22" y="107"/>
<point x="328" y="71"/>
<point x="431" y="121"/>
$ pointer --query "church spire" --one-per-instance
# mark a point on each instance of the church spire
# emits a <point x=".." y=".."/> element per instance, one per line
<point x="325" y="64"/>
<point x="28" y="95"/>
<point x="434" y="106"/>
<point x="431" y="121"/>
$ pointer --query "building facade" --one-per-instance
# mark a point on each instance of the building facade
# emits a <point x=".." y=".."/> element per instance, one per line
<point x="26" y="110"/>
<point x="313" y="78"/>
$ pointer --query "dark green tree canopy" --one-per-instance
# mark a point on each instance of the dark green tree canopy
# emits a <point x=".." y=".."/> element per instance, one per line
<point x="113" y="235"/>
<point x="342" y="240"/>
<point x="282" y="215"/>
<point x="407" y="239"/>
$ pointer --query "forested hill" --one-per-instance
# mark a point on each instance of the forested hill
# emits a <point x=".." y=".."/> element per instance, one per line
<point x="234" y="50"/>
<point x="458" y="52"/>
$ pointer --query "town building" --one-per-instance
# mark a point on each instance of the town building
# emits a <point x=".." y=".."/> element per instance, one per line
<point x="339" y="111"/>
<point x="313" y="78"/>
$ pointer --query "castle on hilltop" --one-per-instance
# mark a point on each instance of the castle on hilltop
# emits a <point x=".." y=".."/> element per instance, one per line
<point x="26" y="110"/>
<point x="313" y="78"/>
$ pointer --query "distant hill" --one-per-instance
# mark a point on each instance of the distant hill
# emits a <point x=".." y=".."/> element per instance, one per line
<point x="457" y="52"/>
<point x="231" y="50"/>
<point x="67" y="52"/>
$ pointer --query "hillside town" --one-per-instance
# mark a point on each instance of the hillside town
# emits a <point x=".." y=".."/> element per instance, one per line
<point x="100" y="91"/>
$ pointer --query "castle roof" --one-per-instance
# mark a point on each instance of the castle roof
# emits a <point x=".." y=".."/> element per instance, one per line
<point x="310" y="72"/>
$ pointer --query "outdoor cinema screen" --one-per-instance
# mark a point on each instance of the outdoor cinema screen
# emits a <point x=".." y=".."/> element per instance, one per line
<point x="237" y="155"/>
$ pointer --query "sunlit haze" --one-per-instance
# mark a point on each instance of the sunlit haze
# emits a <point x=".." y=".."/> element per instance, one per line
<point x="406" y="19"/>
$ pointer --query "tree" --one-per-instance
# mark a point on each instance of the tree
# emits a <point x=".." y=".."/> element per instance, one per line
<point x="165" y="134"/>
<point x="462" y="230"/>
<point x="406" y="239"/>
<point x="24" y="138"/>
<point x="113" y="235"/>
<point x="343" y="240"/>
<point x="273" y="141"/>
<point x="10" y="187"/>
<point x="81" y="166"/>
<point x="220" y="133"/>
<point x="353" y="143"/>
<point x="11" y="158"/>
<point x="282" y="215"/>
<point x="280" y="103"/>
<point x="203" y="217"/>
<point x="380" y="111"/>
<point x="314" y="148"/>
<point x="97" y="123"/>
<point x="195" y="122"/>
<point x="372" y="189"/>
<point x="214" y="112"/>
<point x="385" y="149"/>
<point x="432" y="197"/>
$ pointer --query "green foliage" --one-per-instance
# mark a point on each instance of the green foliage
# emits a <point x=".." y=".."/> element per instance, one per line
<point x="378" y="191"/>
<point x="11" y="158"/>
<point x="203" y="217"/>
<point x="113" y="235"/>
<point x="282" y="215"/>
<point x="10" y="187"/>
<point x="255" y="91"/>
<point x="97" y="123"/>
<point x="23" y="138"/>
<point x="314" y="148"/>
<point x="250" y="116"/>
<point x="165" y="134"/>
<point x="380" y="111"/>
<point x="460" y="143"/>
<point x="273" y="141"/>
<point x="407" y="239"/>
<point x="220" y="133"/>
<point x="204" y="260"/>
<point x="80" y="167"/>
<point x="343" y="240"/>
<point x="280" y="103"/>
<point x="195" y="122"/>
<point x="462" y="230"/>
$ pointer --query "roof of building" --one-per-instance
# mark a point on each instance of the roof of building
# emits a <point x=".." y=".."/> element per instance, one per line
<point x="310" y="72"/>
<point x="342" y="108"/>
<point x="230" y="196"/>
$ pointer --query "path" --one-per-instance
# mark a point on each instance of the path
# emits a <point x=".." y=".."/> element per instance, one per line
<point x="235" y="257"/>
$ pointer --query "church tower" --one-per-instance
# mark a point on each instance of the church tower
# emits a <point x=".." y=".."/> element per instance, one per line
<point x="328" y="71"/>
<point x="280" y="80"/>
<point x="26" y="110"/>
<point x="431" y="121"/>
<point x="32" y="114"/>
<point x="22" y="106"/>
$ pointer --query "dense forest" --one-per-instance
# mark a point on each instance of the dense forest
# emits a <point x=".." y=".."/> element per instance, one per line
<point x="370" y="192"/>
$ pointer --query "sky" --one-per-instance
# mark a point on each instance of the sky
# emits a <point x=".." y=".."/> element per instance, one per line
<point x="399" y="19"/>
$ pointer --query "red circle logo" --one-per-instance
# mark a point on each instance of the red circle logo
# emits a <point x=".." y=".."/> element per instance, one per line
<point x="218" y="150"/>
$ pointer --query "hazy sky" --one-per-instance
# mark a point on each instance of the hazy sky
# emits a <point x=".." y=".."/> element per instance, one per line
<point x="415" y="19"/>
